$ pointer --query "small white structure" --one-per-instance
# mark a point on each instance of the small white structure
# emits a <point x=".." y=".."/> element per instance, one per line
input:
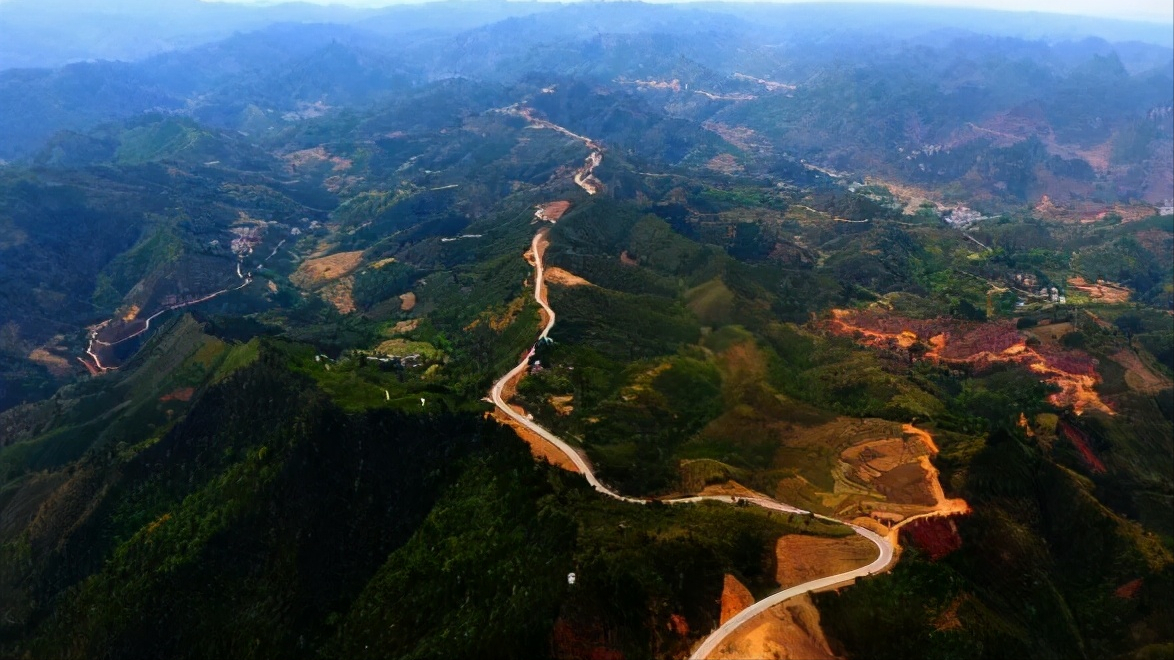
<point x="570" y="578"/>
<point x="421" y="402"/>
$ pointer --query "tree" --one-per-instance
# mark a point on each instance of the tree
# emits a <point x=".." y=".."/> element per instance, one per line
<point x="1074" y="339"/>
<point x="917" y="350"/>
<point x="966" y="310"/>
<point x="1130" y="324"/>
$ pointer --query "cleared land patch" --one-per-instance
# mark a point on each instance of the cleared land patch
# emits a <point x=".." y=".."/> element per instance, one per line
<point x="788" y="630"/>
<point x="801" y="558"/>
<point x="552" y="211"/>
<point x="340" y="294"/>
<point x="57" y="365"/>
<point x="566" y="278"/>
<point x="978" y="345"/>
<point x="1138" y="376"/>
<point x="735" y="598"/>
<point x="314" y="272"/>
<point x="1103" y="292"/>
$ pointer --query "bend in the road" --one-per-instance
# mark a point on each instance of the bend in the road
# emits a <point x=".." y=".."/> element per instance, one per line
<point x="248" y="279"/>
<point x="884" y="547"/>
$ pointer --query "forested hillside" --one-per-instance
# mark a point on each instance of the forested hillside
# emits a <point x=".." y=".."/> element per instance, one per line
<point x="260" y="300"/>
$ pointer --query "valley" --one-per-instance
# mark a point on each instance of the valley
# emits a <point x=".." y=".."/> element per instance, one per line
<point x="591" y="331"/>
<point x="542" y="440"/>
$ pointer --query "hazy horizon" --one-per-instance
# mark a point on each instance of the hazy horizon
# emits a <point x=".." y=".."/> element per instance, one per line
<point x="1144" y="10"/>
<point x="1152" y="11"/>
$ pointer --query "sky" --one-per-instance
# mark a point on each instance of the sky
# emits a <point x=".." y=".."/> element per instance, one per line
<point x="1148" y="10"/>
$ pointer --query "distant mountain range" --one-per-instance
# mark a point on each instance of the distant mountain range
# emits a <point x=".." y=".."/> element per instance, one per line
<point x="919" y="105"/>
<point x="312" y="323"/>
<point x="40" y="34"/>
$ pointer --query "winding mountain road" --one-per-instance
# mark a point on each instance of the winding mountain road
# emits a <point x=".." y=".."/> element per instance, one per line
<point x="585" y="175"/>
<point x="100" y="368"/>
<point x="884" y="558"/>
<point x="715" y="639"/>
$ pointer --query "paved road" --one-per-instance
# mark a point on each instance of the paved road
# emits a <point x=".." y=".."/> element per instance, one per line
<point x="248" y="279"/>
<point x="720" y="635"/>
<point x="584" y="176"/>
<point x="715" y="639"/>
<point x="495" y="393"/>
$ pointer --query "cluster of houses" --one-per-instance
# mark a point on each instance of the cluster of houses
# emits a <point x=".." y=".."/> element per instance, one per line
<point x="1050" y="294"/>
<point x="390" y="361"/>
<point x="246" y="239"/>
<point x="407" y="361"/>
<point x="1053" y="294"/>
<point x="960" y="216"/>
<point x="1026" y="279"/>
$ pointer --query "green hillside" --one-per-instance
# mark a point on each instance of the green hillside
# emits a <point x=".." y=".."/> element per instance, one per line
<point x="255" y="296"/>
